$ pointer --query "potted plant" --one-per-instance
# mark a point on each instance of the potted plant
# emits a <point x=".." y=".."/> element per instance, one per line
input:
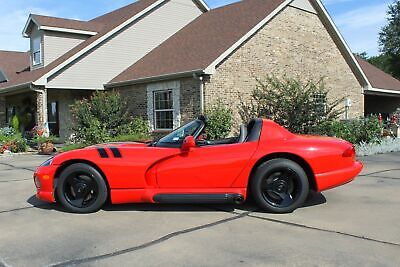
<point x="46" y="144"/>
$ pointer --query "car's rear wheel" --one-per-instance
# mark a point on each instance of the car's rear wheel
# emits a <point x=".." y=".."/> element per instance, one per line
<point x="279" y="186"/>
<point x="81" y="189"/>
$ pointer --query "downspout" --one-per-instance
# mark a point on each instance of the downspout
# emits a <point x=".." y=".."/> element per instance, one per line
<point x="201" y="87"/>
<point x="201" y="95"/>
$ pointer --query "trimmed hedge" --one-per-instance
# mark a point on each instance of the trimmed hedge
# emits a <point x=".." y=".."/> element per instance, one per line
<point x="357" y="131"/>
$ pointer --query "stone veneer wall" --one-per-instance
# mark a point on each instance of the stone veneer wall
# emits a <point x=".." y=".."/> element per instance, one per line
<point x="39" y="108"/>
<point x="136" y="96"/>
<point x="190" y="99"/>
<point x="296" y="44"/>
<point x="2" y="111"/>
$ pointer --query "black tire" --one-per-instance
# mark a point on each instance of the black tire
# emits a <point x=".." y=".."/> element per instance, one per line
<point x="81" y="189"/>
<point x="279" y="186"/>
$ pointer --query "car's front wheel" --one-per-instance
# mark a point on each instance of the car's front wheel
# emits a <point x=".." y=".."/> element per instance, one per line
<point x="81" y="188"/>
<point x="279" y="186"/>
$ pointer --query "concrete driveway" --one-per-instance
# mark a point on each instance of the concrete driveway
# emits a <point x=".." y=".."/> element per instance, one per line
<point x="354" y="225"/>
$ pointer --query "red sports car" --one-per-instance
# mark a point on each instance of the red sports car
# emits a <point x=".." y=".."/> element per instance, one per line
<point x="276" y="167"/>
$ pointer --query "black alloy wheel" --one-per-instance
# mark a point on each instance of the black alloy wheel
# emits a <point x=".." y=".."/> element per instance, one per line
<point x="280" y="186"/>
<point x="81" y="189"/>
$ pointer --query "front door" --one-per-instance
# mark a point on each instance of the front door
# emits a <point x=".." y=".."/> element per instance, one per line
<point x="214" y="166"/>
<point x="53" y="118"/>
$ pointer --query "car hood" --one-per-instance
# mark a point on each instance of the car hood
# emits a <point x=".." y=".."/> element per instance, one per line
<point x="120" y="145"/>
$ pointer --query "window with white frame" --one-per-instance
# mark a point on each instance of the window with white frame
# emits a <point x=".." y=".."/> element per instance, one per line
<point x="163" y="105"/>
<point x="163" y="110"/>
<point x="36" y="51"/>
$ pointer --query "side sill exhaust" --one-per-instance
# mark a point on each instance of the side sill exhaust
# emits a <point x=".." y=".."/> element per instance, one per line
<point x="198" y="198"/>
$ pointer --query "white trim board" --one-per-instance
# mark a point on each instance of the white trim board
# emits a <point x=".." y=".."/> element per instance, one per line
<point x="202" y="5"/>
<point x="74" y="88"/>
<point x="56" y="29"/>
<point x="28" y="22"/>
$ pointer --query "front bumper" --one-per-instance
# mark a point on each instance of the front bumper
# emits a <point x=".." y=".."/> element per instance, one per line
<point x="336" y="178"/>
<point x="44" y="182"/>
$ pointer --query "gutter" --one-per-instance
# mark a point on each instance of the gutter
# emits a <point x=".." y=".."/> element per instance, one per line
<point x="372" y="90"/>
<point x="155" y="78"/>
<point x="16" y="88"/>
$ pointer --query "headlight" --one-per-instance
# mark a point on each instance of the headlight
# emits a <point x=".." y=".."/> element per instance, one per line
<point x="47" y="162"/>
<point x="37" y="182"/>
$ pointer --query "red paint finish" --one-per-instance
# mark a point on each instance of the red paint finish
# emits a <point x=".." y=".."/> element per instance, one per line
<point x="144" y="171"/>
<point x="45" y="175"/>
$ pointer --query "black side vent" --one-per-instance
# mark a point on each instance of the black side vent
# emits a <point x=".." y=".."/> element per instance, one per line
<point x="102" y="152"/>
<point x="116" y="152"/>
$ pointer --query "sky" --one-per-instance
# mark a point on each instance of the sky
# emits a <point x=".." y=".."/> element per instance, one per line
<point x="359" y="21"/>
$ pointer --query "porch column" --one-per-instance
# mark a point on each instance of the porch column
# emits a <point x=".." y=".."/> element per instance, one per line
<point x="2" y="111"/>
<point x="41" y="107"/>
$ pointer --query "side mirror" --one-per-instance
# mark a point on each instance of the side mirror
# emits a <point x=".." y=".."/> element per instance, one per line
<point x="188" y="143"/>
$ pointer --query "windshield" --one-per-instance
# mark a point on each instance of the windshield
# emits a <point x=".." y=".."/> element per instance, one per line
<point x="176" y="137"/>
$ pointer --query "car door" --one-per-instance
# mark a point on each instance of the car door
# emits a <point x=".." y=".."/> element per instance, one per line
<point x="215" y="166"/>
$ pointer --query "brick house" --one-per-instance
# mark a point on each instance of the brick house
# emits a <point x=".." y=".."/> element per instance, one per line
<point x="173" y="58"/>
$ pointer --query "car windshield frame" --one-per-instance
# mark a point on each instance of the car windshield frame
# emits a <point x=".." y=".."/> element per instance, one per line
<point x="176" y="138"/>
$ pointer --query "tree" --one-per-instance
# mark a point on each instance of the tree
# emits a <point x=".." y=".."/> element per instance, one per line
<point x="381" y="61"/>
<point x="389" y="39"/>
<point x="362" y="55"/>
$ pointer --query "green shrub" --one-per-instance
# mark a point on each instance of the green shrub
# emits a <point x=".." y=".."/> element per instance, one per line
<point x="103" y="117"/>
<point x="220" y="120"/>
<point x="364" y="130"/>
<point x="298" y="106"/>
<point x="15" y="143"/>
<point x="15" y="123"/>
<point x="6" y="132"/>
<point x="136" y="127"/>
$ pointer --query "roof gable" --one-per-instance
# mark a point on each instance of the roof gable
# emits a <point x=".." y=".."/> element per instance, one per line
<point x="111" y="25"/>
<point x="203" y="44"/>
<point x="203" y="41"/>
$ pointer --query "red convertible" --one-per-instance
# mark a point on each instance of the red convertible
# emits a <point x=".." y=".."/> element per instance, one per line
<point x="277" y="168"/>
